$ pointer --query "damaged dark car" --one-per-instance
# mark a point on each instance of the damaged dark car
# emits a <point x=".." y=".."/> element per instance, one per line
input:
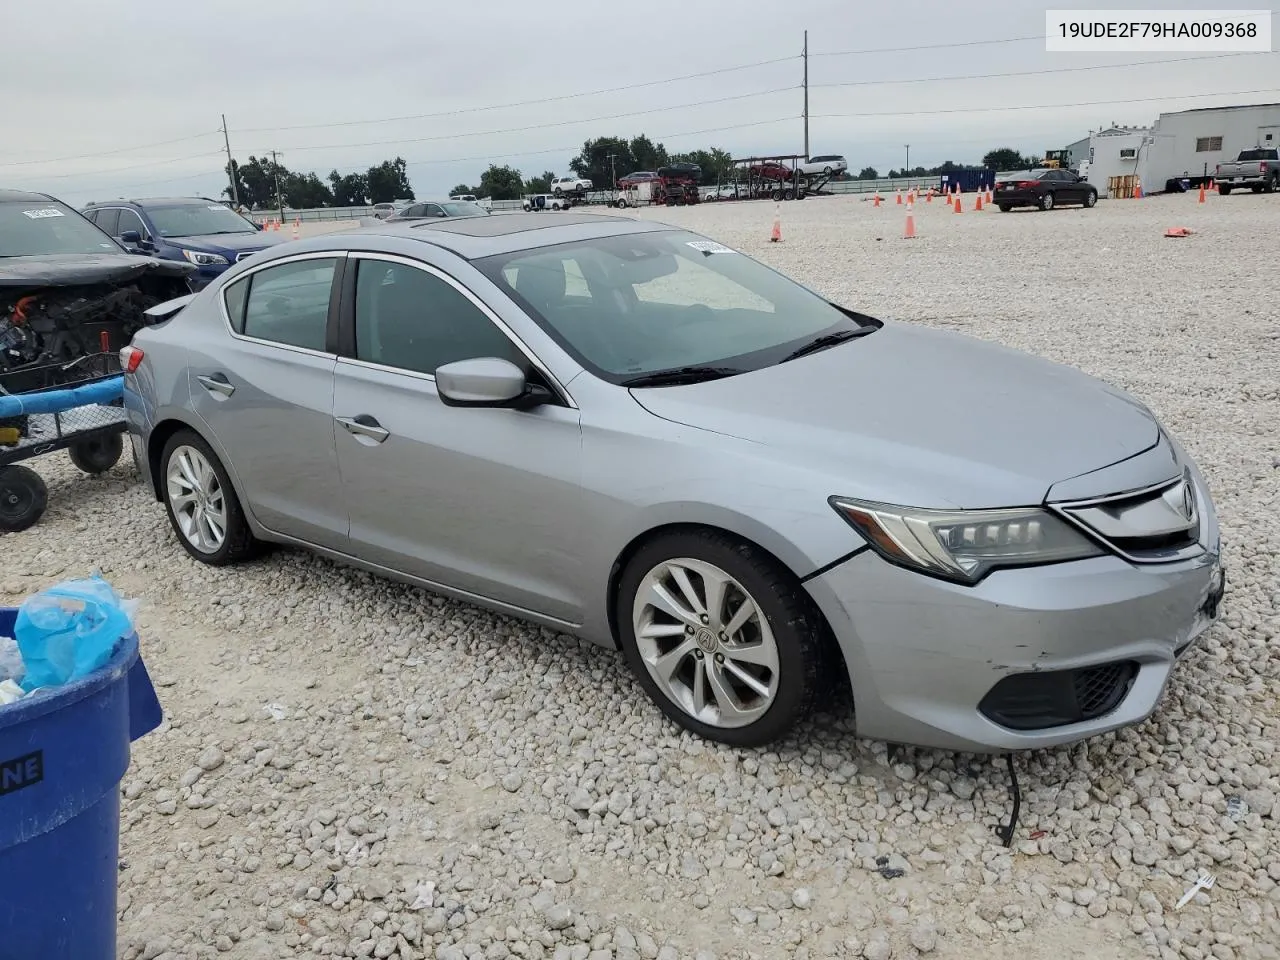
<point x="67" y="290"/>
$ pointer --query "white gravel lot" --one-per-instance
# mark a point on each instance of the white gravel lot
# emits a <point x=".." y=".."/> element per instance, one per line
<point x="355" y="768"/>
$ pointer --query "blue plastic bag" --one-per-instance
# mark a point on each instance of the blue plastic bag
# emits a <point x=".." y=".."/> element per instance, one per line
<point x="69" y="631"/>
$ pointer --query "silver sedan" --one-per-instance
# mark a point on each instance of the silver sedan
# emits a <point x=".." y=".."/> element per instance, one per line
<point x="628" y="432"/>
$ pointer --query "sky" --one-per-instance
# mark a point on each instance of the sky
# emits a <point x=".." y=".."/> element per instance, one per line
<point x="104" y="100"/>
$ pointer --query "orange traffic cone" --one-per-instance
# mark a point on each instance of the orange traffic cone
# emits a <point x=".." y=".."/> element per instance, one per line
<point x="275" y="224"/>
<point x="957" y="208"/>
<point x="910" y="232"/>
<point x="928" y="197"/>
<point x="775" y="236"/>
<point x="977" y="203"/>
<point x="297" y="227"/>
<point x="1201" y="200"/>
<point x="1137" y="189"/>
<point x="876" y="202"/>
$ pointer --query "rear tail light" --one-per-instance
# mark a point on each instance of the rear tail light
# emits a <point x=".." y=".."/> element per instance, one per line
<point x="1262" y="167"/>
<point x="1028" y="184"/>
<point x="130" y="359"/>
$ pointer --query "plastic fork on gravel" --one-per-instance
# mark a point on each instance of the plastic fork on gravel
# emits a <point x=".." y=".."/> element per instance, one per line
<point x="1203" y="882"/>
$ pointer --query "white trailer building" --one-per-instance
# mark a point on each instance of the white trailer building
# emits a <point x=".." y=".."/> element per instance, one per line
<point x="1190" y="143"/>
<point x="1113" y="152"/>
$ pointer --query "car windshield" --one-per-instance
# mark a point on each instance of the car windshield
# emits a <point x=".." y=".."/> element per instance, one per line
<point x="631" y="305"/>
<point x="462" y="208"/>
<point x="196" y="220"/>
<point x="40" y="228"/>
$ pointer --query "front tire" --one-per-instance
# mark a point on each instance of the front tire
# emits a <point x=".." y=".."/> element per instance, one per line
<point x="1046" y="201"/>
<point x="23" y="498"/>
<point x="202" y="505"/>
<point x="722" y="638"/>
<point x="1091" y="198"/>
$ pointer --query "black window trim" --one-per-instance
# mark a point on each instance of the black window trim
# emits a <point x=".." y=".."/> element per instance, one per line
<point x="332" y="318"/>
<point x="346" y="332"/>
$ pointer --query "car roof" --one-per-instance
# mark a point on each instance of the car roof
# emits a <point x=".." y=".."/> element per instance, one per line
<point x="24" y="196"/>
<point x="157" y="201"/>
<point x="475" y="237"/>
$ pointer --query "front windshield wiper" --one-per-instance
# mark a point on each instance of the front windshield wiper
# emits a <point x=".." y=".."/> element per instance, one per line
<point x="825" y="341"/>
<point x="671" y="378"/>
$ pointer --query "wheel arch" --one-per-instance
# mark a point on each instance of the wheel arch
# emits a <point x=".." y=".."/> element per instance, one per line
<point x="160" y="435"/>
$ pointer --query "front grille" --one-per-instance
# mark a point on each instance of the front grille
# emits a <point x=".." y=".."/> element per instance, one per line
<point x="1055" y="698"/>
<point x="1155" y="525"/>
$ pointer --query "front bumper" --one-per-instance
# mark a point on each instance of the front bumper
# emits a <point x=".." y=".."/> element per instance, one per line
<point x="924" y="654"/>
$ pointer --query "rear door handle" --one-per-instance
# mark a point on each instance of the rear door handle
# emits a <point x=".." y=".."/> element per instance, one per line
<point x="217" y="383"/>
<point x="364" y="428"/>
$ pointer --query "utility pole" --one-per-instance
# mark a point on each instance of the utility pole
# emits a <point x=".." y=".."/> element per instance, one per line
<point x="231" y="165"/>
<point x="275" y="169"/>
<point x="613" y="170"/>
<point x="806" y="96"/>
<point x="907" y="168"/>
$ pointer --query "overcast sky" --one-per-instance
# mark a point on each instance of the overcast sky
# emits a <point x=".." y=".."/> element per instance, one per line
<point x="119" y="80"/>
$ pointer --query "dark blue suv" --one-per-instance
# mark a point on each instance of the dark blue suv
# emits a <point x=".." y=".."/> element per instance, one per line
<point x="193" y="229"/>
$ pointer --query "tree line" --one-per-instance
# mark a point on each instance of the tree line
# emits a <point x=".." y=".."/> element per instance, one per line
<point x="602" y="160"/>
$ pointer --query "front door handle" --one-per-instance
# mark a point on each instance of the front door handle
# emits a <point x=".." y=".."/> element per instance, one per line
<point x="364" y="428"/>
<point x="217" y="383"/>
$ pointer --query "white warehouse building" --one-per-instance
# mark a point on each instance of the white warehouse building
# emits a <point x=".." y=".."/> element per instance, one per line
<point x="1187" y="144"/>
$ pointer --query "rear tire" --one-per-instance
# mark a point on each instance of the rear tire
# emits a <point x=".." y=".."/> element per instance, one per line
<point x="187" y="452"/>
<point x="23" y="498"/>
<point x="1273" y="185"/>
<point x="1004" y="207"/>
<point x="98" y="455"/>
<point x="747" y="684"/>
<point x="1223" y="189"/>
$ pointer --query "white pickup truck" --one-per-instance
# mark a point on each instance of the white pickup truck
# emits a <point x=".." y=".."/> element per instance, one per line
<point x="1258" y="169"/>
<point x="576" y="185"/>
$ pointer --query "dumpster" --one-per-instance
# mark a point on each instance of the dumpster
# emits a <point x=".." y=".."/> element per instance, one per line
<point x="63" y="752"/>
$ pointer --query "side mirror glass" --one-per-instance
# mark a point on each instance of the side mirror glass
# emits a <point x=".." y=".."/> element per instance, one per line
<point x="486" y="382"/>
<point x="131" y="238"/>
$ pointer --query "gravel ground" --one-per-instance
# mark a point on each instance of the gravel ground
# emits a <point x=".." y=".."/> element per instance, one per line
<point x="355" y="768"/>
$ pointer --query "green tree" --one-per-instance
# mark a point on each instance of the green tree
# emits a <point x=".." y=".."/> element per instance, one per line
<point x="462" y="189"/>
<point x="595" y="164"/>
<point x="646" y="155"/>
<point x="540" y="184"/>
<point x="305" y="190"/>
<point x="349" y="190"/>
<point x="869" y="173"/>
<point x="501" y="183"/>
<point x="256" y="182"/>
<point x="1005" y="158"/>
<point x="389" y="181"/>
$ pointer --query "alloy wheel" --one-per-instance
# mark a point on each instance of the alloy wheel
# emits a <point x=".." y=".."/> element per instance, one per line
<point x="706" y="643"/>
<point x="197" y="500"/>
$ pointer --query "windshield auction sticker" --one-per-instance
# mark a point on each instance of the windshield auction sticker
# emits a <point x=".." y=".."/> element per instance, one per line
<point x="44" y="213"/>
<point x="709" y="246"/>
<point x="1141" y="31"/>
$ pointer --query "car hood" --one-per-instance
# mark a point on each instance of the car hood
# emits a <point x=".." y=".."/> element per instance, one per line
<point x="68" y="270"/>
<point x="238" y="242"/>
<point x="923" y="418"/>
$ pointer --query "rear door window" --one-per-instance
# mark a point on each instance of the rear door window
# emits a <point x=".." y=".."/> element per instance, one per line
<point x="289" y="304"/>
<point x="106" y="220"/>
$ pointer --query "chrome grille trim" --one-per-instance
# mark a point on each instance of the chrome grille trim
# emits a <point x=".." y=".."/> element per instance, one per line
<point x="1158" y="524"/>
<point x="241" y="256"/>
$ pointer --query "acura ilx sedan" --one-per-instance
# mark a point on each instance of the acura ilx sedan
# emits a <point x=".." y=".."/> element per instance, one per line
<point x="631" y="433"/>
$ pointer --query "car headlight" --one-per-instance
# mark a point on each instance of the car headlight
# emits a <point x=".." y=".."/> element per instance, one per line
<point x="965" y="545"/>
<point x="204" y="259"/>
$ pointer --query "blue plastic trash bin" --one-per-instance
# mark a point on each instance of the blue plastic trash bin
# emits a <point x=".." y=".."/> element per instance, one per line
<point x="63" y="753"/>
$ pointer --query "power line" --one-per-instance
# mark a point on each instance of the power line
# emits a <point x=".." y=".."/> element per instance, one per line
<point x="522" y="103"/>
<point x="927" y="46"/>
<point x="1033" y="73"/>
<point x="544" y="126"/>
<point x="1043" y="106"/>
<point x="107" y="153"/>
<point x="136" y="166"/>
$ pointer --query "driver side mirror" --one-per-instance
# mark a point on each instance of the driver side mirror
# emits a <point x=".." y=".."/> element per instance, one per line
<point x="131" y="238"/>
<point x="487" y="382"/>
